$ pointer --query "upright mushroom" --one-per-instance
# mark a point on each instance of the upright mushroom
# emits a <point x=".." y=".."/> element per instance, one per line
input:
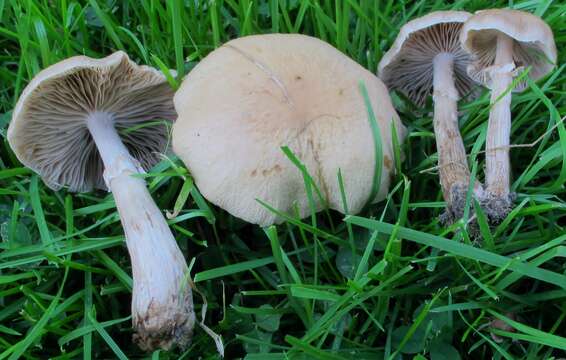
<point x="252" y="96"/>
<point x="91" y="123"/>
<point x="502" y="42"/>
<point x="426" y="59"/>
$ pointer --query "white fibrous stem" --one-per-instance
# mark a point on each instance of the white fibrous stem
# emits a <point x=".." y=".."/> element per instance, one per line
<point x="497" y="174"/>
<point x="452" y="162"/>
<point x="162" y="305"/>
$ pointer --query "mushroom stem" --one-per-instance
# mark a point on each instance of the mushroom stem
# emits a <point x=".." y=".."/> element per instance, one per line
<point x="452" y="162"/>
<point x="162" y="305"/>
<point x="497" y="174"/>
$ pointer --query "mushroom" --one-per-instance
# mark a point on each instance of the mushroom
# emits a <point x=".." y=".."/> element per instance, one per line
<point x="255" y="94"/>
<point x="503" y="42"/>
<point x="426" y="58"/>
<point x="94" y="123"/>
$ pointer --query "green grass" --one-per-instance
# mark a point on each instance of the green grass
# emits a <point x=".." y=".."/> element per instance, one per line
<point x="389" y="283"/>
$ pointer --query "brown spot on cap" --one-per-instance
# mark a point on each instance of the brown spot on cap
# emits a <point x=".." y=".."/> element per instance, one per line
<point x="277" y="168"/>
<point x="387" y="162"/>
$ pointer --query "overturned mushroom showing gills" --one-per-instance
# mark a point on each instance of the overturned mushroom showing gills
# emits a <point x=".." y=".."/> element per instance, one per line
<point x="252" y="96"/>
<point x="426" y="59"/>
<point x="502" y="43"/>
<point x="95" y="123"/>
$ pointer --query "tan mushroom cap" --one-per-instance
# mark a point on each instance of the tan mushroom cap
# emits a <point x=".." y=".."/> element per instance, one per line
<point x="255" y="94"/>
<point x="408" y="65"/>
<point x="533" y="46"/>
<point x="48" y="131"/>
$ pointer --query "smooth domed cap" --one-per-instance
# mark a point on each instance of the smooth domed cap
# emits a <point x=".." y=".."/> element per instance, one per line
<point x="533" y="46"/>
<point x="48" y="131"/>
<point x="255" y="94"/>
<point x="408" y="65"/>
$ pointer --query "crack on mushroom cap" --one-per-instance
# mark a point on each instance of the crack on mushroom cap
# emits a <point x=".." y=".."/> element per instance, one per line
<point x="411" y="71"/>
<point x="264" y="68"/>
<point x="525" y="54"/>
<point x="54" y="138"/>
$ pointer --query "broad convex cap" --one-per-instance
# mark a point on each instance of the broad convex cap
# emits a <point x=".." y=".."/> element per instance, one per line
<point x="408" y="64"/>
<point x="533" y="43"/>
<point x="48" y="131"/>
<point x="255" y="94"/>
